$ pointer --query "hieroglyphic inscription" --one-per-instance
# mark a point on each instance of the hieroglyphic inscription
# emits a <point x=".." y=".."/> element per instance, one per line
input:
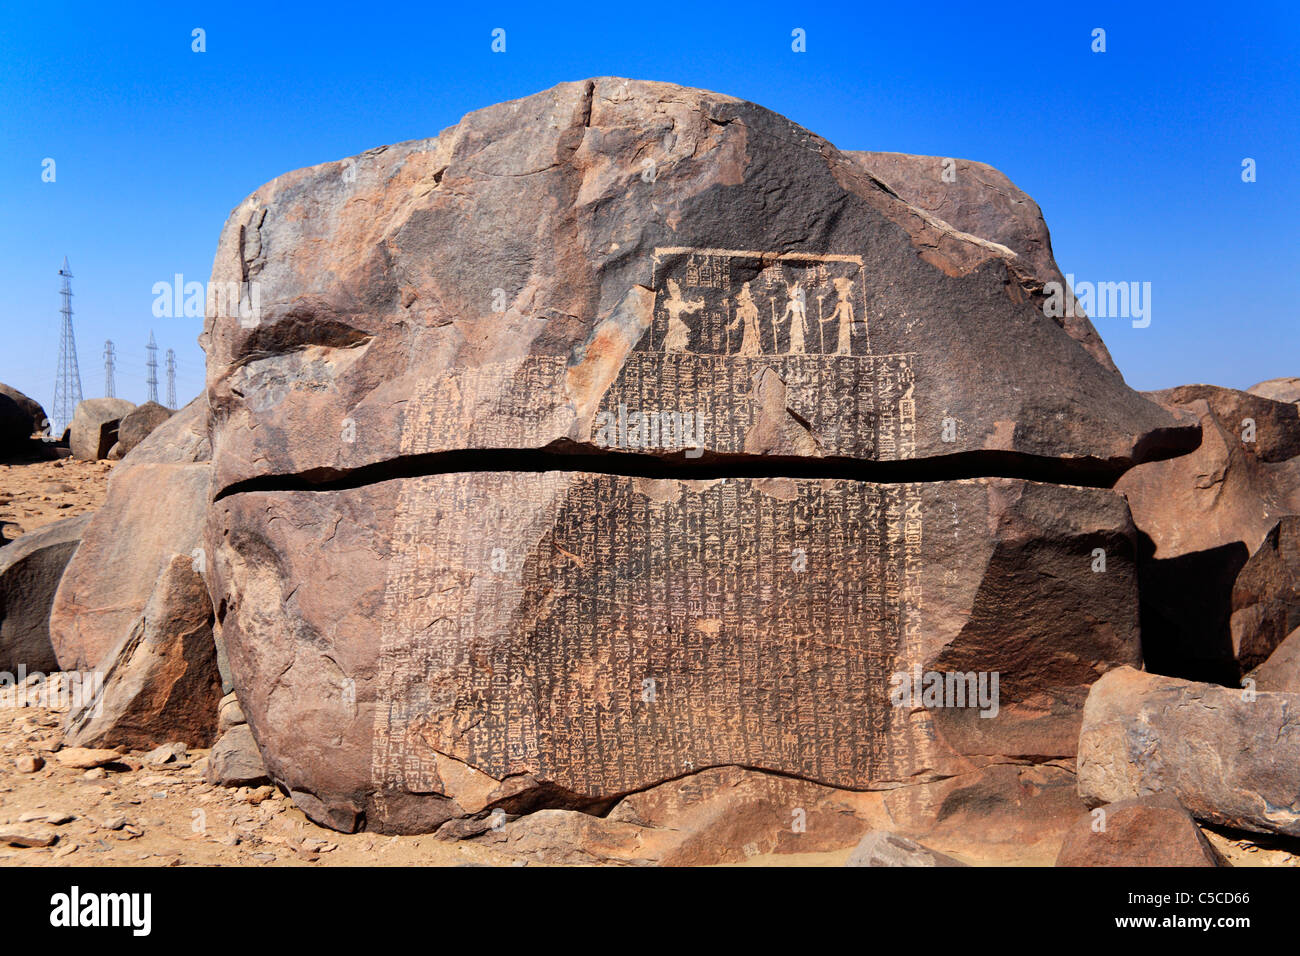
<point x="636" y="630"/>
<point x="859" y="407"/>
<point x="612" y="587"/>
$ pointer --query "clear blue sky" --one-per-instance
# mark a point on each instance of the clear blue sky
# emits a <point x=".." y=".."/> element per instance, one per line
<point x="1134" y="155"/>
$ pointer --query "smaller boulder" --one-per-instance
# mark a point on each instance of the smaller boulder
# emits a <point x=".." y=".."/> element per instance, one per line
<point x="235" y="760"/>
<point x="95" y="426"/>
<point x="1232" y="757"/>
<point x="1281" y="672"/>
<point x="161" y="681"/>
<point x="1266" y="595"/>
<point x="20" y="418"/>
<point x="882" y="848"/>
<point x="1154" y="830"/>
<point x="1278" y="389"/>
<point x="229" y="713"/>
<point x="30" y="570"/>
<point x="138" y="425"/>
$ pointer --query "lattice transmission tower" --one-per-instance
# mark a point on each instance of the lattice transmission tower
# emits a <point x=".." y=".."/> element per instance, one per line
<point x="171" y="378"/>
<point x="67" y="382"/>
<point x="110" y="384"/>
<point x="152" y="381"/>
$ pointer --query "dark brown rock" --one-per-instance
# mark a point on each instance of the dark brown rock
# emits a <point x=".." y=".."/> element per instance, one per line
<point x="980" y="200"/>
<point x="94" y="428"/>
<point x="1266" y="595"/>
<point x="20" y="418"/>
<point x="1154" y="830"/>
<point x="1282" y="669"/>
<point x="154" y="511"/>
<point x="161" y="681"/>
<point x="436" y="597"/>
<point x="1230" y="756"/>
<point x="30" y="571"/>
<point x="139" y="424"/>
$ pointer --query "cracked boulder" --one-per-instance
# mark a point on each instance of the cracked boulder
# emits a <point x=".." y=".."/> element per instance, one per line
<point x="628" y="430"/>
<point x="154" y="510"/>
<point x="1232" y="757"/>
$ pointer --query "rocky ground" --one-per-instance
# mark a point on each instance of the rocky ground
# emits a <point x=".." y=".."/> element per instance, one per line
<point x="129" y="812"/>
<point x="37" y="492"/>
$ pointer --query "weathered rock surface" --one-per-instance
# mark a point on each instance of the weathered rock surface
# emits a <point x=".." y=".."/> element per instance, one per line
<point x="980" y="200"/>
<point x="20" y="418"/>
<point x="138" y="425"/>
<point x="1154" y="830"/>
<point x="235" y="760"/>
<point x="154" y="511"/>
<point x="1266" y="595"/>
<point x="1278" y="389"/>
<point x="1230" y="757"/>
<point x="30" y="571"/>
<point x="161" y="680"/>
<point x="1201" y="516"/>
<point x="882" y="848"/>
<point x="770" y="662"/>
<point x="94" y="428"/>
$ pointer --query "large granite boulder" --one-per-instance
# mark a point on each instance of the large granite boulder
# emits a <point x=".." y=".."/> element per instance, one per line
<point x="1231" y="756"/>
<point x="626" y="430"/>
<point x="94" y="428"/>
<point x="154" y="511"/>
<point x="30" y="570"/>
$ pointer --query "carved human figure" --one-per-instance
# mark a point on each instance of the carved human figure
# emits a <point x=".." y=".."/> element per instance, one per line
<point x="679" y="333"/>
<point x="747" y="316"/>
<point x="844" y="312"/>
<point x="797" y="310"/>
